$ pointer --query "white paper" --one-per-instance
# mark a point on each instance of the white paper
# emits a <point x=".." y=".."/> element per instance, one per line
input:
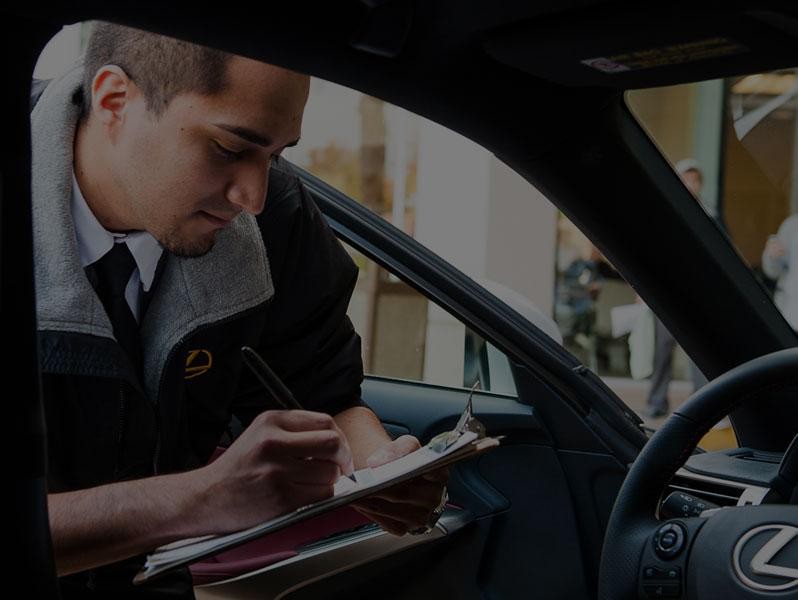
<point x="366" y="478"/>
<point x="369" y="477"/>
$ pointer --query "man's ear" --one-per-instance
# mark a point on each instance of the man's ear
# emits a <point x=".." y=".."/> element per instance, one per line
<point x="111" y="93"/>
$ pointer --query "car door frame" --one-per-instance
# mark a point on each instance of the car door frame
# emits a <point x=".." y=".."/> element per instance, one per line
<point x="582" y="416"/>
<point x="522" y="342"/>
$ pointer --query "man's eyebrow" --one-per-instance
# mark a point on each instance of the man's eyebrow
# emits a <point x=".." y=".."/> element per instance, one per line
<point x="251" y="136"/>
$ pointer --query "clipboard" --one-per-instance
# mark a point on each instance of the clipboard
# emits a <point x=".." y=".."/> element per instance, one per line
<point x="468" y="439"/>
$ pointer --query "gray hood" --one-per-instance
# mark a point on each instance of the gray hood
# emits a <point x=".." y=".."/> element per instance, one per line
<point x="233" y="277"/>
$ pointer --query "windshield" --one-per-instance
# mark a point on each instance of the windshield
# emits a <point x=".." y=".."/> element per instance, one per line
<point x="734" y="143"/>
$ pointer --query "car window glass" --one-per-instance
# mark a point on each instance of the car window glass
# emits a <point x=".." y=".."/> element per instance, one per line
<point x="459" y="200"/>
<point x="734" y="143"/>
<point x="463" y="203"/>
<point x="405" y="336"/>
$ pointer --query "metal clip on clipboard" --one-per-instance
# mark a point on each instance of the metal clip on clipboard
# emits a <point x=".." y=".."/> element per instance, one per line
<point x="467" y="422"/>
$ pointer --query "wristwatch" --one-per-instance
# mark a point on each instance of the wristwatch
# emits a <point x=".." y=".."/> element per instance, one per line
<point x="436" y="514"/>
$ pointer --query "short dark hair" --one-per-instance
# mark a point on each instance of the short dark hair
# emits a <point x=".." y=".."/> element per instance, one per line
<point x="162" y="67"/>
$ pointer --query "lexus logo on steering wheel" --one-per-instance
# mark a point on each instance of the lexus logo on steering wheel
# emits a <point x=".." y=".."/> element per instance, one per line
<point x="770" y="577"/>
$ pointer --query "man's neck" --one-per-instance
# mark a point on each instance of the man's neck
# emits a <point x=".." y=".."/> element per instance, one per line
<point x="91" y="173"/>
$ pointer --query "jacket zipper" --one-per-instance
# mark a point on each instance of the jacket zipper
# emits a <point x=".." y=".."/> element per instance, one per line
<point x="120" y="436"/>
<point x="156" y="455"/>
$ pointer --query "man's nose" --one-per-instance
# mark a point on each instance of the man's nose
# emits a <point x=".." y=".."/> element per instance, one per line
<point x="248" y="189"/>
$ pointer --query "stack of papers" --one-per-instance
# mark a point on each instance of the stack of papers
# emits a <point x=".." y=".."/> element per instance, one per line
<point x="466" y="440"/>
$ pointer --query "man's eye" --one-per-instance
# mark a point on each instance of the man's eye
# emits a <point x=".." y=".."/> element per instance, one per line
<point x="226" y="153"/>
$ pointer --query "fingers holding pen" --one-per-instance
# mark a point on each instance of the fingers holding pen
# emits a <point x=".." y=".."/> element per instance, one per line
<point x="303" y="435"/>
<point x="288" y="440"/>
<point x="333" y="447"/>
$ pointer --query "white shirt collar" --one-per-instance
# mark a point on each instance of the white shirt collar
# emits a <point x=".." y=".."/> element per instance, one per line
<point x="94" y="240"/>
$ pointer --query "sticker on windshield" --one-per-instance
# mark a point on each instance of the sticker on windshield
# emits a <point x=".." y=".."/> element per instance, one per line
<point x="666" y="55"/>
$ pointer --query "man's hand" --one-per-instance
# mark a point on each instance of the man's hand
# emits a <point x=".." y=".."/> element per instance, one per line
<point x="409" y="505"/>
<point x="283" y="460"/>
<point x="774" y="248"/>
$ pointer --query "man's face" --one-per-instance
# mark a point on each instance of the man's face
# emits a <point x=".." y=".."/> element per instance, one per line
<point x="184" y="175"/>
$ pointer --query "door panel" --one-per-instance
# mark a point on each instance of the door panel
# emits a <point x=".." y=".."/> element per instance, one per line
<point x="523" y="535"/>
<point x="511" y="528"/>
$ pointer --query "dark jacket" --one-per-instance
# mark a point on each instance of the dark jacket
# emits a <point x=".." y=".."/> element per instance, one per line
<point x="103" y="425"/>
<point x="280" y="283"/>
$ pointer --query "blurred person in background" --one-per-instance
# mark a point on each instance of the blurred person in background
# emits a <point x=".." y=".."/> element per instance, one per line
<point x="780" y="262"/>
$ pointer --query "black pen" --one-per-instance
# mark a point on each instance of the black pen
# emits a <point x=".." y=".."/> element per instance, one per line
<point x="279" y="392"/>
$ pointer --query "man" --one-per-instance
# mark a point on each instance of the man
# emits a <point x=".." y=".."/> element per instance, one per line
<point x="657" y="404"/>
<point x="155" y="157"/>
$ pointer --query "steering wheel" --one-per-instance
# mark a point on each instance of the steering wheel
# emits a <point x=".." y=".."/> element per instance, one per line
<point x="706" y="556"/>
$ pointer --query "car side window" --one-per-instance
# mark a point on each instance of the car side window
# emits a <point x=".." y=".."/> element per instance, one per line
<point x="406" y="336"/>
<point x="464" y="204"/>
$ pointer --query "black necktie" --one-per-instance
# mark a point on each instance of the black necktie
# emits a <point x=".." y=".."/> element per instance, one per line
<point x="113" y="273"/>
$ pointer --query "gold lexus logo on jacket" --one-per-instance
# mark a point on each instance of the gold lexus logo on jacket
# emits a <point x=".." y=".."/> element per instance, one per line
<point x="198" y="362"/>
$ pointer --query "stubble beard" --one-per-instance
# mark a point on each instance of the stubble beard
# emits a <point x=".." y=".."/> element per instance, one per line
<point x="174" y="242"/>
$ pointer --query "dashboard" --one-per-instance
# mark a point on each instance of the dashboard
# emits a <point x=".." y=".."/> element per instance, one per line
<point x="738" y="477"/>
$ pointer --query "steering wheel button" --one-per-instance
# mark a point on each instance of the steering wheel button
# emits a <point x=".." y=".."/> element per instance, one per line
<point x="669" y="540"/>
<point x="653" y="573"/>
<point x="662" y="590"/>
